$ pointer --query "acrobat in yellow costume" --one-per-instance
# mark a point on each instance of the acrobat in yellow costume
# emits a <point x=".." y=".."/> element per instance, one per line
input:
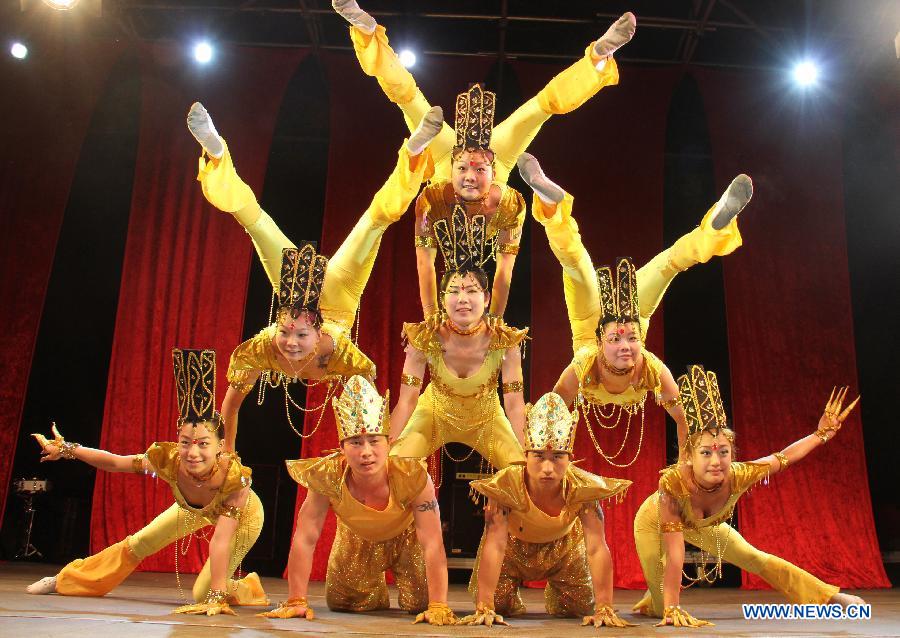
<point x="347" y="271"/>
<point x="541" y="546"/>
<point x="713" y="534"/>
<point x="455" y="410"/>
<point x="563" y="94"/>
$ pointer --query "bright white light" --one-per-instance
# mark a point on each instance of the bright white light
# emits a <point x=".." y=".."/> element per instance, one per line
<point x="806" y="73"/>
<point x="407" y="58"/>
<point x="62" y="5"/>
<point x="203" y="52"/>
<point x="18" y="50"/>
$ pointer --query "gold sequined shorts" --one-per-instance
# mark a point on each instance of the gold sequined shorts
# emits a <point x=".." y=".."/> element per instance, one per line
<point x="355" y="580"/>
<point x="562" y="563"/>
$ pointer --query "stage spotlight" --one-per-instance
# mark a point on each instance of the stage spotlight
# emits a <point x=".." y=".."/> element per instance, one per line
<point x="203" y="52"/>
<point x="407" y="58"/>
<point x="61" y="5"/>
<point x="18" y="50"/>
<point x="806" y="73"/>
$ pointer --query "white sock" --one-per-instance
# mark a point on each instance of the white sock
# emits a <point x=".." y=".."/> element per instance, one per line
<point x="617" y="36"/>
<point x="531" y="172"/>
<point x="350" y="11"/>
<point x="200" y="125"/>
<point x="427" y="130"/>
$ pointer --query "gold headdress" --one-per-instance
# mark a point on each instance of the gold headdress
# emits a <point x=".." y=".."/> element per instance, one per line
<point x="302" y="276"/>
<point x="550" y="425"/>
<point x="619" y="295"/>
<point x="195" y="385"/>
<point x="361" y="410"/>
<point x="462" y="240"/>
<point x="475" y="118"/>
<point x="701" y="400"/>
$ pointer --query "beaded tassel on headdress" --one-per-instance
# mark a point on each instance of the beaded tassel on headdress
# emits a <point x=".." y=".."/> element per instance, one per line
<point x="618" y="294"/>
<point x="195" y="384"/>
<point x="701" y="400"/>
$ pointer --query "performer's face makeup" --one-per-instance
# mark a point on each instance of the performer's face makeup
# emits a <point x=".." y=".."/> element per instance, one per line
<point x="465" y="300"/>
<point x="621" y="344"/>
<point x="197" y="447"/>
<point x="296" y="337"/>
<point x="711" y="459"/>
<point x="366" y="454"/>
<point x="547" y="467"/>
<point x="472" y="174"/>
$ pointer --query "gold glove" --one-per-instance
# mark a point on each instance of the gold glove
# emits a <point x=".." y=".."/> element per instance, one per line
<point x="483" y="615"/>
<point x="833" y="417"/>
<point x="437" y="614"/>
<point x="605" y="615"/>
<point x="214" y="605"/>
<point x="291" y="608"/>
<point x="677" y="617"/>
<point x="58" y="447"/>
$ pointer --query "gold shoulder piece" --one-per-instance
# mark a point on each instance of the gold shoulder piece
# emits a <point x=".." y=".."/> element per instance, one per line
<point x="507" y="337"/>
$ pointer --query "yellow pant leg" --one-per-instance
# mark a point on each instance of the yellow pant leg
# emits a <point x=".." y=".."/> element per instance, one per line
<point x="377" y="58"/>
<point x="248" y="531"/>
<point x="798" y="585"/>
<point x="418" y="440"/>
<point x="355" y="580"/>
<point x="507" y="597"/>
<point x="569" y="591"/>
<point x="564" y="93"/>
<point x="225" y="190"/>
<point x="648" y="545"/>
<point x="98" y="574"/>
<point x="498" y="445"/>
<point x="349" y="269"/>
<point x="697" y="247"/>
<point x="579" y="277"/>
<point x="407" y="562"/>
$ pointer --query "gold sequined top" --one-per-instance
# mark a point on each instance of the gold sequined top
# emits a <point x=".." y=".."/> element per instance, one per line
<point x="432" y="206"/>
<point x="743" y="476"/>
<point x="528" y="522"/>
<point x="259" y="354"/>
<point x="468" y="403"/>
<point x="592" y="389"/>
<point x="163" y="458"/>
<point x="328" y="476"/>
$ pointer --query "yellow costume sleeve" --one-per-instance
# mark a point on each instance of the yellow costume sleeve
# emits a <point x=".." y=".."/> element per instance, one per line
<point x="163" y="457"/>
<point x="237" y="478"/>
<point x="746" y="474"/>
<point x="250" y="358"/>
<point x="510" y="212"/>
<point x="347" y="359"/>
<point x="323" y="475"/>
<point x="506" y="487"/>
<point x="652" y="372"/>
<point x="421" y="336"/>
<point x="585" y="487"/>
<point x="408" y="478"/>
<point x="505" y="337"/>
<point x="670" y="482"/>
<point x="584" y="360"/>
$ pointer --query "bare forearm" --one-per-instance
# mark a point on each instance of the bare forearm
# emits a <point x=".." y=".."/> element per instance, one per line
<point x="406" y="403"/>
<point x="514" y="406"/>
<point x="674" y="567"/>
<point x="103" y="460"/>
<point x="798" y="450"/>
<point x="489" y="570"/>
<point x="436" y="572"/>
<point x="299" y="567"/>
<point x="219" y="548"/>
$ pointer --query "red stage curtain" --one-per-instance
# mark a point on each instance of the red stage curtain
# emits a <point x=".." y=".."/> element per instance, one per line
<point x="609" y="155"/>
<point x="48" y="105"/>
<point x="790" y="325"/>
<point x="366" y="132"/>
<point x="186" y="265"/>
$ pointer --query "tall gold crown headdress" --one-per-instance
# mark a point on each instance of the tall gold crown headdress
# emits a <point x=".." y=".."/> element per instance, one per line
<point x="195" y="385"/>
<point x="475" y="118"/>
<point x="302" y="277"/>
<point x="361" y="410"/>
<point x="701" y="400"/>
<point x="462" y="240"/>
<point x="618" y="293"/>
<point x="550" y="425"/>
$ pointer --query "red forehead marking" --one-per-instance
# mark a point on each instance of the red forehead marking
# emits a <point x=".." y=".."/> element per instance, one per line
<point x="291" y="327"/>
<point x="473" y="163"/>
<point x="621" y="331"/>
<point x="715" y="446"/>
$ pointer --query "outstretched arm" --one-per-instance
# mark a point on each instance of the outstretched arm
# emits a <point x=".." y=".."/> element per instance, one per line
<point x="507" y="248"/>
<point x="410" y="389"/>
<point x="231" y="405"/>
<point x="427" y="518"/>
<point x="600" y="563"/>
<point x="514" y="392"/>
<point x="57" y="448"/>
<point x="670" y="399"/>
<point x="567" y="386"/>
<point x="493" y="550"/>
<point x="426" y="253"/>
<point x="828" y="427"/>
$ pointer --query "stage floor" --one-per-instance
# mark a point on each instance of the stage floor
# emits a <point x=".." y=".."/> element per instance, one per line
<point x="148" y="598"/>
